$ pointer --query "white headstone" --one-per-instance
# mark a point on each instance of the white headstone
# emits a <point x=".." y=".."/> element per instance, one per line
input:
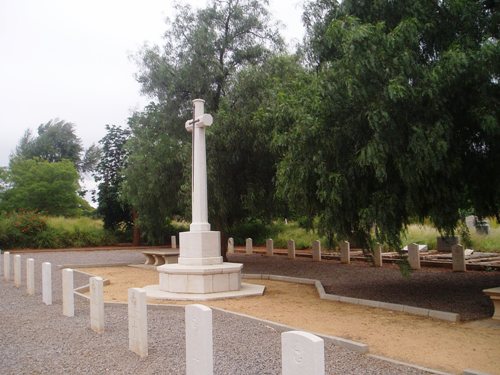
<point x="96" y="304"/>
<point x="302" y="353"/>
<point x="291" y="249"/>
<point x="17" y="270"/>
<point x="316" y="251"/>
<point x="47" y="283"/>
<point x="345" y="252"/>
<point x="413" y="256"/>
<point x="137" y="322"/>
<point x="269" y="247"/>
<point x="249" y="246"/>
<point x="199" y="341"/>
<point x="173" y="240"/>
<point x="6" y="266"/>
<point x="377" y="255"/>
<point x="30" y="276"/>
<point x="458" y="258"/>
<point x="230" y="245"/>
<point x="68" y="297"/>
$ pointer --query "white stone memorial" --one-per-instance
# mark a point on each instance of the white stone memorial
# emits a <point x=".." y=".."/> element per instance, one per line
<point x="17" y="270"/>
<point x="30" y="276"/>
<point x="377" y="255"/>
<point x="199" y="341"/>
<point x="96" y="304"/>
<point x="302" y="353"/>
<point x="249" y="246"/>
<point x="47" y="283"/>
<point x="269" y="247"/>
<point x="413" y="256"/>
<point x="173" y="241"/>
<point x="200" y="273"/>
<point x="316" y="251"/>
<point x="137" y="322"/>
<point x="458" y="258"/>
<point x="291" y="249"/>
<point x="68" y="297"/>
<point x="345" y="252"/>
<point x="230" y="245"/>
<point x="6" y="266"/>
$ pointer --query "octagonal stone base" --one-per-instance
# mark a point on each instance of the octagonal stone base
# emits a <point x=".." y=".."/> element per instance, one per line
<point x="181" y="278"/>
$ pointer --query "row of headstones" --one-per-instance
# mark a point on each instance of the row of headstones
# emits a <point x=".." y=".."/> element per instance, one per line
<point x="345" y="250"/>
<point x="301" y="352"/>
<point x="458" y="255"/>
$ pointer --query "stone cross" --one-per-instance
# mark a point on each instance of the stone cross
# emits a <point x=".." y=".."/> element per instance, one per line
<point x="199" y="203"/>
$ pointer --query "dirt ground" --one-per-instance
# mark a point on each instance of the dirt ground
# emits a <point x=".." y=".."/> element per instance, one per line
<point x="423" y="341"/>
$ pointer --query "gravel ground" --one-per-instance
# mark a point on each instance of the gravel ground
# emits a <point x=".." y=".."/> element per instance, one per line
<point x="432" y="288"/>
<point x="38" y="339"/>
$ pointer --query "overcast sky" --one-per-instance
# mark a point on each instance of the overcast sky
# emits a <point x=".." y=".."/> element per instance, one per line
<point x="69" y="59"/>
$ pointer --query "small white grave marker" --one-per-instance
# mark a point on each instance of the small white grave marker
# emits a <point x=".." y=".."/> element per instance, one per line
<point x="68" y="292"/>
<point x="458" y="258"/>
<point x="30" y="276"/>
<point x="345" y="252"/>
<point x="291" y="249"/>
<point x="302" y="353"/>
<point x="173" y="240"/>
<point x="6" y="266"/>
<point x="137" y="322"/>
<point x="249" y="246"/>
<point x="199" y="341"/>
<point x="316" y="251"/>
<point x="413" y="256"/>
<point x="230" y="245"/>
<point x="17" y="270"/>
<point x="96" y="304"/>
<point x="47" y="283"/>
<point x="269" y="247"/>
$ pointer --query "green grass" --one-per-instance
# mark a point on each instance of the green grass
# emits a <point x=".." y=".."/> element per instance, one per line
<point x="74" y="224"/>
<point x="425" y="234"/>
<point x="281" y="233"/>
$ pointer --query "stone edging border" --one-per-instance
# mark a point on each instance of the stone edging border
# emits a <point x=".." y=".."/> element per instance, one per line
<point x="436" y="314"/>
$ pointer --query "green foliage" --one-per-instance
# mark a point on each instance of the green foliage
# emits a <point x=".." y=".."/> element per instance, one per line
<point x="399" y="119"/>
<point x="25" y="229"/>
<point x="56" y="141"/>
<point x="39" y="185"/>
<point x="108" y="173"/>
<point x="203" y="53"/>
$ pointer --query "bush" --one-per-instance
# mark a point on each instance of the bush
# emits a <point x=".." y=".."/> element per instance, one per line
<point x="32" y="230"/>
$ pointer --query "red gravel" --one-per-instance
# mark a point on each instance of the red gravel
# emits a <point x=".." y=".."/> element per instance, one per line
<point x="432" y="288"/>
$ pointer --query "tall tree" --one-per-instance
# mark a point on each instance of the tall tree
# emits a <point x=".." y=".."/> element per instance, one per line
<point x="109" y="176"/>
<point x="203" y="52"/>
<point x="404" y="122"/>
<point x="56" y="140"/>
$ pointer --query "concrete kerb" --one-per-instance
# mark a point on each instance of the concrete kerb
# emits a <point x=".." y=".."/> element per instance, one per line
<point x="417" y="367"/>
<point x="435" y="314"/>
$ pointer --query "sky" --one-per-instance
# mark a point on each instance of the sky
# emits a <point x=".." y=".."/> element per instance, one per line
<point x="70" y="59"/>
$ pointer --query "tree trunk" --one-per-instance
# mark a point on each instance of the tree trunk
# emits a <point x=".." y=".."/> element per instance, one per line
<point x="136" y="238"/>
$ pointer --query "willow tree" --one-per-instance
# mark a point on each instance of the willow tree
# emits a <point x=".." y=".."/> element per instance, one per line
<point x="401" y="120"/>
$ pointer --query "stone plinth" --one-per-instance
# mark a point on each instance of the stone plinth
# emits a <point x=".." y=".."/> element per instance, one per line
<point x="179" y="278"/>
<point x="199" y="248"/>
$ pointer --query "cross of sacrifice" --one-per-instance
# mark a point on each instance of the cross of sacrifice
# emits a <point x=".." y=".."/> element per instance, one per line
<point x="199" y="204"/>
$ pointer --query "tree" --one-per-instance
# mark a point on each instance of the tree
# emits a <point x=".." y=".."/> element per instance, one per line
<point x="56" y="141"/>
<point x="109" y="177"/>
<point x="401" y="121"/>
<point x="202" y="55"/>
<point x="37" y="185"/>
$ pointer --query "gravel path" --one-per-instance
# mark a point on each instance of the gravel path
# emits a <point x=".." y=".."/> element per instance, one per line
<point x="431" y="288"/>
<point x="38" y="339"/>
